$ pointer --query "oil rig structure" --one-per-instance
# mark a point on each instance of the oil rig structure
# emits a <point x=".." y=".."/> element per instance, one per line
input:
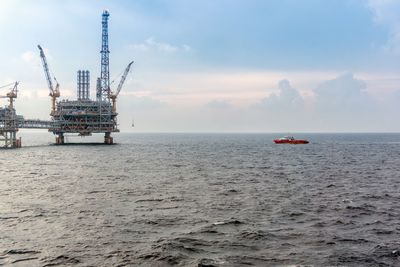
<point x="9" y="120"/>
<point x="85" y="116"/>
<point x="82" y="116"/>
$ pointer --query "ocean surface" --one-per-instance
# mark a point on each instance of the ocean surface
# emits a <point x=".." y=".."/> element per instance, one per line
<point x="202" y="200"/>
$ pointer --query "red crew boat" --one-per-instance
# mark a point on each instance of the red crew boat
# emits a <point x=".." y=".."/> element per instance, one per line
<point x="290" y="140"/>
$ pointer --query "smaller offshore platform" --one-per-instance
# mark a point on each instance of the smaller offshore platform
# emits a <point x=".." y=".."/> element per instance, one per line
<point x="84" y="116"/>
<point x="9" y="120"/>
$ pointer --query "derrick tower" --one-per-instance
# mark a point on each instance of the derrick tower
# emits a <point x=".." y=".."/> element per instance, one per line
<point x="103" y="92"/>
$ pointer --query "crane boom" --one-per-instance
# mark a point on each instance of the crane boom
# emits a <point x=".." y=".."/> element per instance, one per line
<point x="12" y="94"/>
<point x="121" y="83"/>
<point x="14" y="91"/>
<point x="54" y="92"/>
<point x="46" y="69"/>
<point x="6" y="85"/>
<point x="113" y="96"/>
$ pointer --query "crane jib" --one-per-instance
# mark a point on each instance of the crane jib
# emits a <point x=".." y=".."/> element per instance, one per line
<point x="123" y="78"/>
<point x="46" y="69"/>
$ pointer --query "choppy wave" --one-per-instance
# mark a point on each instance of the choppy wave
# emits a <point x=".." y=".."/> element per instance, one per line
<point x="203" y="200"/>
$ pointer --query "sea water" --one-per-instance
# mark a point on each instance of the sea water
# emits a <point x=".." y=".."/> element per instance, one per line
<point x="202" y="200"/>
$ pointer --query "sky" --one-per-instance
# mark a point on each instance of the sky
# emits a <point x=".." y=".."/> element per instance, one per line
<point x="215" y="65"/>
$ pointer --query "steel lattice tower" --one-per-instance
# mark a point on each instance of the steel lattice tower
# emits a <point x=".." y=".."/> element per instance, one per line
<point x="104" y="90"/>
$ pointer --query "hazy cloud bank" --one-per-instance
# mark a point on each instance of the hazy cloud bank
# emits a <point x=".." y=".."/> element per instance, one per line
<point x="152" y="44"/>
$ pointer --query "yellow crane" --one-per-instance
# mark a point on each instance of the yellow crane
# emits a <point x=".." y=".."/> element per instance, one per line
<point x="12" y="94"/>
<point x="54" y="92"/>
<point x="113" y="95"/>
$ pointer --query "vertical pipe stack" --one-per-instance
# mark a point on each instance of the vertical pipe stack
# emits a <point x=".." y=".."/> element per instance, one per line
<point x="83" y="85"/>
<point x="87" y="85"/>
<point x="79" y="85"/>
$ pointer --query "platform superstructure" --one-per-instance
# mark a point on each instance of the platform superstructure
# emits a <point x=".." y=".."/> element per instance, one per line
<point x="84" y="116"/>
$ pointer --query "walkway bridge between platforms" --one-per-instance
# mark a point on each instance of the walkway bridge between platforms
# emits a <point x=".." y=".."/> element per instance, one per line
<point x="35" y="124"/>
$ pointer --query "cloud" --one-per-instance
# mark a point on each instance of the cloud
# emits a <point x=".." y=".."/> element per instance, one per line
<point x="386" y="13"/>
<point x="343" y="93"/>
<point x="132" y="102"/>
<point x="218" y="104"/>
<point x="31" y="58"/>
<point x="151" y="44"/>
<point x="287" y="98"/>
<point x="186" y="47"/>
<point x="344" y="103"/>
<point x="5" y="6"/>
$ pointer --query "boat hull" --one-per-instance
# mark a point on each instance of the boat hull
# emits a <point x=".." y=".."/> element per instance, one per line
<point x="291" y="142"/>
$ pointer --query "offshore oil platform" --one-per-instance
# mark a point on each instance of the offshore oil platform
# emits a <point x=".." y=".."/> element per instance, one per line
<point x="82" y="116"/>
<point x="9" y="120"/>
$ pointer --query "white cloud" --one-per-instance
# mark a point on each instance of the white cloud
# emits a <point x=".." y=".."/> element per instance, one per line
<point x="186" y="47"/>
<point x="386" y="13"/>
<point x="343" y="93"/>
<point x="197" y="102"/>
<point x="218" y="104"/>
<point x="31" y="58"/>
<point x="151" y="44"/>
<point x="5" y="6"/>
<point x="344" y="104"/>
<point x="142" y="47"/>
<point x="226" y="101"/>
<point x="287" y="98"/>
<point x="141" y="93"/>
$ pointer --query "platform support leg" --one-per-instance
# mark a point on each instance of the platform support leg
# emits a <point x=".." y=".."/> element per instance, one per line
<point x="18" y="143"/>
<point x="8" y="139"/>
<point x="60" y="139"/>
<point x="108" y="139"/>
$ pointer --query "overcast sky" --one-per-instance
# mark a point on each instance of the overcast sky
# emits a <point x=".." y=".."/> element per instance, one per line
<point x="216" y="65"/>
